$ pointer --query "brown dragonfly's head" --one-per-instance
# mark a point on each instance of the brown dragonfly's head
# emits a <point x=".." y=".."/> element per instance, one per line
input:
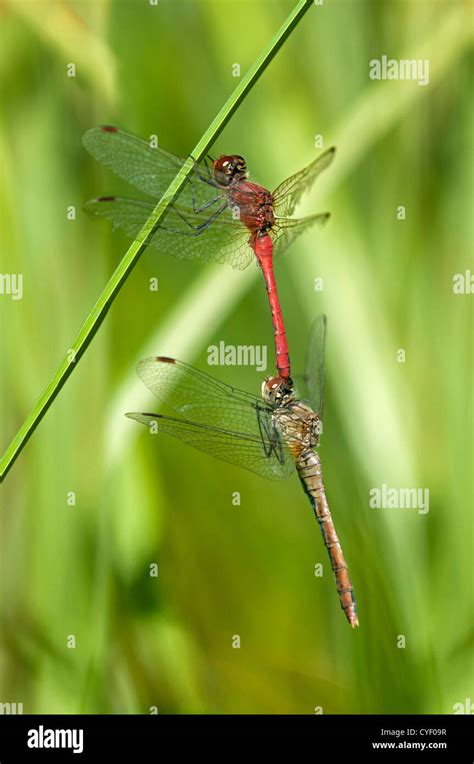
<point x="277" y="391"/>
<point x="229" y="169"/>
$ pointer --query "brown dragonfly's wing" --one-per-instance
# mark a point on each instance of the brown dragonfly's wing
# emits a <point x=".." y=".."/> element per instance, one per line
<point x="239" y="449"/>
<point x="309" y="386"/>
<point x="286" y="230"/>
<point x="198" y="396"/>
<point x="288" y="194"/>
<point x="315" y="364"/>
<point x="219" y="419"/>
<point x="210" y="235"/>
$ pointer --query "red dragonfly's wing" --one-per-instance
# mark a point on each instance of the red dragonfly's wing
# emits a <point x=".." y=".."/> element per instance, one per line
<point x="288" y="194"/>
<point x="286" y="230"/>
<point x="149" y="169"/>
<point x="220" y="420"/>
<point x="211" y="235"/>
<point x="199" y="224"/>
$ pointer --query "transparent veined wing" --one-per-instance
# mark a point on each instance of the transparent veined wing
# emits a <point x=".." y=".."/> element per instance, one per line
<point x="288" y="194"/>
<point x="199" y="225"/>
<point x="211" y="235"/>
<point x="149" y="169"/>
<point x="198" y="396"/>
<point x="315" y="364"/>
<point x="286" y="230"/>
<point x="239" y="449"/>
<point x="218" y="419"/>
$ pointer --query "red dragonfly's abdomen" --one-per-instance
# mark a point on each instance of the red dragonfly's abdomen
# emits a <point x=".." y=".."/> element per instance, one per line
<point x="253" y="206"/>
<point x="262" y="245"/>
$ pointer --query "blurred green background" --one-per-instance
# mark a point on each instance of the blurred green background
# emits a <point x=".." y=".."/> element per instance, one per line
<point x="243" y="570"/>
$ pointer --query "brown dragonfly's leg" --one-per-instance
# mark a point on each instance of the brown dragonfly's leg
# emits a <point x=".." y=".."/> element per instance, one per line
<point x="311" y="476"/>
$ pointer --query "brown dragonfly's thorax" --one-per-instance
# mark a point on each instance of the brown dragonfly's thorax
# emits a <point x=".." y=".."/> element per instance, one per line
<point x="299" y="426"/>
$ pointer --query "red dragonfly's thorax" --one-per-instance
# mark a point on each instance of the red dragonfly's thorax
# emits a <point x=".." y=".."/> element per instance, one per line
<point x="253" y="204"/>
<point x="250" y="203"/>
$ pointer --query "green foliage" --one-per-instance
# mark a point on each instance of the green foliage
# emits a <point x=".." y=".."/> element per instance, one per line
<point x="247" y="570"/>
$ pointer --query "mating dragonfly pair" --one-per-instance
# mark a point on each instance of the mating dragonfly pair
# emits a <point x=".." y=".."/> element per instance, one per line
<point x="222" y="216"/>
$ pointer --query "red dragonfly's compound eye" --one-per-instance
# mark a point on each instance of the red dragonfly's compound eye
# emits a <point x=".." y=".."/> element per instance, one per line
<point x="229" y="169"/>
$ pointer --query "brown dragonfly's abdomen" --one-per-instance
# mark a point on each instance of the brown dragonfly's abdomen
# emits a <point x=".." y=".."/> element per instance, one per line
<point x="310" y="473"/>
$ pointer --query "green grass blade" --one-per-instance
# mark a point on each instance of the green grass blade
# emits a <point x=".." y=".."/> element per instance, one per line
<point x="131" y="257"/>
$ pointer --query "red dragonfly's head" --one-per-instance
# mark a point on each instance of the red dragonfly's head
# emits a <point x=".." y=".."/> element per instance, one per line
<point x="229" y="169"/>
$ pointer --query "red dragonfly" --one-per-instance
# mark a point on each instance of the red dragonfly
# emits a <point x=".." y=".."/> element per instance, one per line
<point x="219" y="215"/>
<point x="269" y="437"/>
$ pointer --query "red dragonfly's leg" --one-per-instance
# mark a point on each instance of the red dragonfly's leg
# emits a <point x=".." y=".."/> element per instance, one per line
<point x="263" y="248"/>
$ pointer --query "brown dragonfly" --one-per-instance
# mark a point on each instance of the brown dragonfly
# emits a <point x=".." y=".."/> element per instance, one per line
<point x="269" y="436"/>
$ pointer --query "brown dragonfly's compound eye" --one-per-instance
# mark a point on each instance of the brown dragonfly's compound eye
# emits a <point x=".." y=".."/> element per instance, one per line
<point x="273" y="383"/>
<point x="272" y="389"/>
